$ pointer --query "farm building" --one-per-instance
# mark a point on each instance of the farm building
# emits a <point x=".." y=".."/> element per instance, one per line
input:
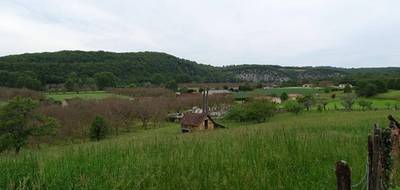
<point x="199" y="121"/>
<point x="342" y="86"/>
<point x="308" y="85"/>
<point x="196" y="121"/>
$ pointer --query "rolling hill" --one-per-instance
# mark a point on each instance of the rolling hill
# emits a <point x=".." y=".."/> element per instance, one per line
<point x="158" y="68"/>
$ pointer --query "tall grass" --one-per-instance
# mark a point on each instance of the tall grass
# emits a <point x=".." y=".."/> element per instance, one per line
<point x="288" y="152"/>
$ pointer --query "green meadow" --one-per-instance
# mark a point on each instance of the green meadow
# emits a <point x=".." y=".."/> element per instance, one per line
<point x="277" y="91"/>
<point x="392" y="94"/>
<point x="287" y="152"/>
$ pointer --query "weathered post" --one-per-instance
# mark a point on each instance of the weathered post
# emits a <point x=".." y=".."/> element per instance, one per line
<point x="343" y="175"/>
<point x="373" y="159"/>
<point x="395" y="152"/>
<point x="395" y="126"/>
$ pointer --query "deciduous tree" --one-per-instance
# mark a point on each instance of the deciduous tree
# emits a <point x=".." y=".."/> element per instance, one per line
<point x="18" y="122"/>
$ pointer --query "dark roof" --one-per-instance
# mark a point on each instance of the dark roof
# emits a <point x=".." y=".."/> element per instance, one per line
<point x="193" y="119"/>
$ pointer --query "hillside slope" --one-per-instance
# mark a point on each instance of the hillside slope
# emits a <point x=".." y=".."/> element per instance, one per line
<point x="157" y="68"/>
<point x="129" y="67"/>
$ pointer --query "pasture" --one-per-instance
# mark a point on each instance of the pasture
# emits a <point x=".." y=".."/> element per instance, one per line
<point x="392" y="95"/>
<point x="287" y="152"/>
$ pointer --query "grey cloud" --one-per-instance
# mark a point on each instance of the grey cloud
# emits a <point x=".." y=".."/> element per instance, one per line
<point x="315" y="32"/>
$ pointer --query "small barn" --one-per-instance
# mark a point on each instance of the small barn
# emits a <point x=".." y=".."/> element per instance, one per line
<point x="199" y="121"/>
<point x="196" y="121"/>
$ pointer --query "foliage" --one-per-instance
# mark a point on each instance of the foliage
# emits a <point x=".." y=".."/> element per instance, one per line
<point x="307" y="100"/>
<point x="365" y="104"/>
<point x="293" y="106"/>
<point x="18" y="122"/>
<point x="256" y="111"/>
<point x="394" y="84"/>
<point x="348" y="101"/>
<point x="347" y="89"/>
<point x="131" y="68"/>
<point x="172" y="85"/>
<point x="245" y="88"/>
<point x="367" y="90"/>
<point x="72" y="83"/>
<point x="98" y="129"/>
<point x="381" y="86"/>
<point x="284" y="96"/>
<point x="105" y="80"/>
<point x="321" y="103"/>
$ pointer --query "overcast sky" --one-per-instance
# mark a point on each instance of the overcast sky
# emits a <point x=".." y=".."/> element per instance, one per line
<point x="345" y="33"/>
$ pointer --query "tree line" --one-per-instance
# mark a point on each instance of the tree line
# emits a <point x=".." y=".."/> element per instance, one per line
<point x="76" y="69"/>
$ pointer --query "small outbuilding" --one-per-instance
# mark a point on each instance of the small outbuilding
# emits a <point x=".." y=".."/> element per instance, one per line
<point x="199" y="121"/>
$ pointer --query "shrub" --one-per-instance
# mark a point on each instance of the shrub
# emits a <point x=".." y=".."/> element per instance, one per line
<point x="308" y="101"/>
<point x="348" y="101"/>
<point x="256" y="111"/>
<point x="365" y="104"/>
<point x="293" y="106"/>
<point x="284" y="96"/>
<point x="98" y="129"/>
<point x="367" y="90"/>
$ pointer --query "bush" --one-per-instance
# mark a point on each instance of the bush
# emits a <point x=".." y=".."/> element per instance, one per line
<point x="367" y="90"/>
<point x="293" y="106"/>
<point x="348" y="101"/>
<point x="365" y="104"/>
<point x="284" y="96"/>
<point x="257" y="111"/>
<point x="98" y="129"/>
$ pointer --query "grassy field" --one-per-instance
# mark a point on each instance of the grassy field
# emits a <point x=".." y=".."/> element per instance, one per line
<point x="82" y="95"/>
<point x="278" y="91"/>
<point x="392" y="94"/>
<point x="288" y="152"/>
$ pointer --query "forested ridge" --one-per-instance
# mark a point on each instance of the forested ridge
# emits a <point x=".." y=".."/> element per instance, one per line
<point x="86" y="68"/>
<point x="141" y="67"/>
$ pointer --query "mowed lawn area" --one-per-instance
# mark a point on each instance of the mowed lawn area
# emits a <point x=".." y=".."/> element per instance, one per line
<point x="82" y="95"/>
<point x="287" y="152"/>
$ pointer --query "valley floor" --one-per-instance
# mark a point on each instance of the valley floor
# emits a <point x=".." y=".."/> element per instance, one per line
<point x="288" y="152"/>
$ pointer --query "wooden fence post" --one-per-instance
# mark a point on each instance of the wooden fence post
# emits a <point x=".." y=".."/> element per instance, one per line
<point x="395" y="152"/>
<point x="343" y="175"/>
<point x="373" y="159"/>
